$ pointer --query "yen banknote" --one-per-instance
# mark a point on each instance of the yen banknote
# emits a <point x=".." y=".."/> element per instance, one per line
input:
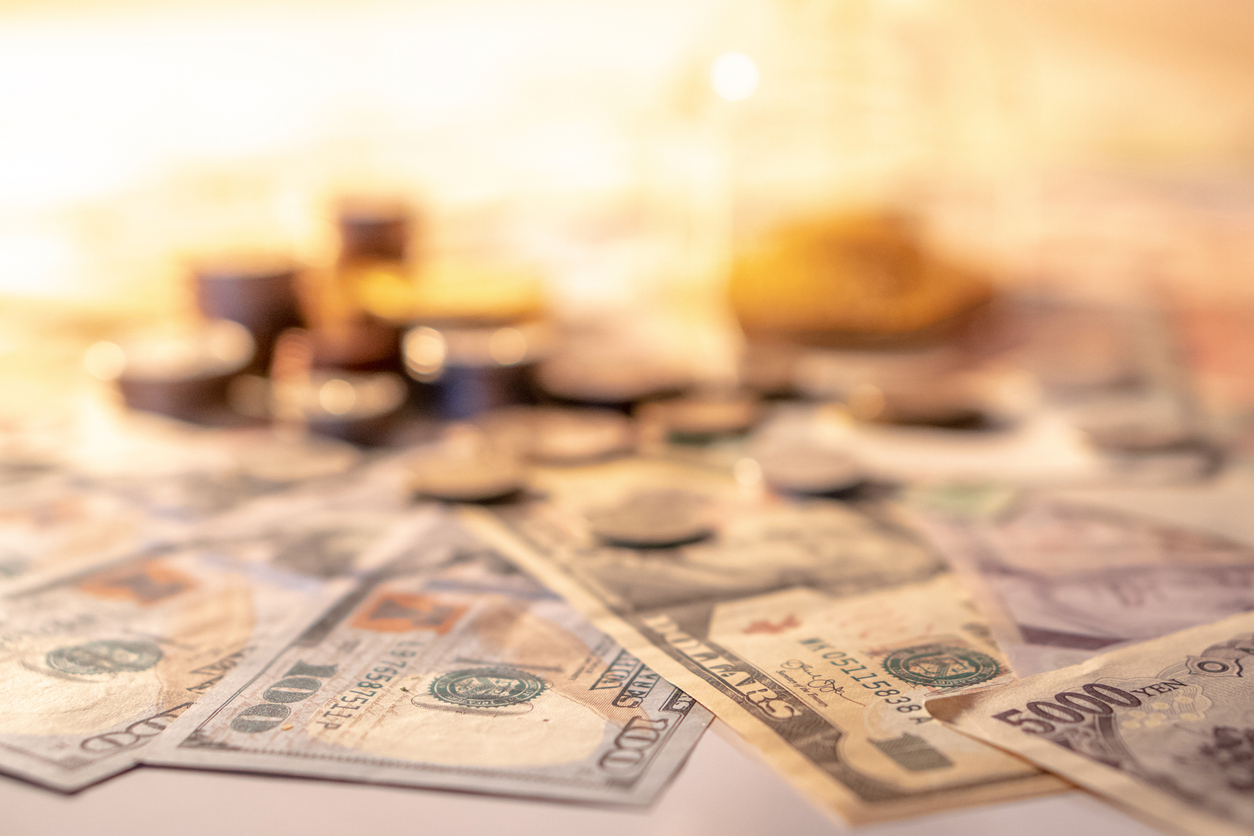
<point x="1164" y="728"/>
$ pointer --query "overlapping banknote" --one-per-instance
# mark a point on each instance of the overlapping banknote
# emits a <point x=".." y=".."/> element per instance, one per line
<point x="448" y="668"/>
<point x="70" y="501"/>
<point x="94" y="665"/>
<point x="1062" y="578"/>
<point x="1164" y="728"/>
<point x="815" y="629"/>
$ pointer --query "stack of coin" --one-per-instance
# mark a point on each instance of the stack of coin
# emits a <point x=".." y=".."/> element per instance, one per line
<point x="257" y="291"/>
<point x="374" y="228"/>
<point x="361" y="408"/>
<point x="699" y="419"/>
<point x="362" y="345"/>
<point x="461" y="371"/>
<point x="181" y="372"/>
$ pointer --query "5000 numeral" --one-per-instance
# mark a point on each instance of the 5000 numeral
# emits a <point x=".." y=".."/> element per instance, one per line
<point x="1069" y="707"/>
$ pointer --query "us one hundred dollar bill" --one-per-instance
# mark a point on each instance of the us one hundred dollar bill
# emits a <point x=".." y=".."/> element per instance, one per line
<point x="816" y="630"/>
<point x="1164" y="728"/>
<point x="156" y="484"/>
<point x="449" y="669"/>
<point x="95" y="665"/>
<point x="1061" y="580"/>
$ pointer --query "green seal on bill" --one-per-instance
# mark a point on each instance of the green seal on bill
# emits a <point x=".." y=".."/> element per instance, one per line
<point x="487" y="687"/>
<point x="104" y="657"/>
<point x="941" y="665"/>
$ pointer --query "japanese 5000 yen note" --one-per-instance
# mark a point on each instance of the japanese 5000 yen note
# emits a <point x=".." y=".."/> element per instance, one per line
<point x="816" y="630"/>
<point x="94" y="665"/>
<point x="450" y="669"/>
<point x="1164" y="728"/>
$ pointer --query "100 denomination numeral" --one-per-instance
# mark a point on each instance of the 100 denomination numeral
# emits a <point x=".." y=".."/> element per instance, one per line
<point x="300" y="683"/>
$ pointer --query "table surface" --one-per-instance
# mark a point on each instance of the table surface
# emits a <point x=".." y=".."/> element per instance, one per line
<point x="724" y="788"/>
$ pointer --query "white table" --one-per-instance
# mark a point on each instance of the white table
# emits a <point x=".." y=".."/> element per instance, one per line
<point x="724" y="789"/>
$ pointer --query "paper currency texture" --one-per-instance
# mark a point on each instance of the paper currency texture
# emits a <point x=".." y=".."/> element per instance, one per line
<point x="816" y="630"/>
<point x="450" y="669"/>
<point x="93" y="668"/>
<point x="1164" y="728"/>
<point x="94" y="665"/>
<point x="1061" y="580"/>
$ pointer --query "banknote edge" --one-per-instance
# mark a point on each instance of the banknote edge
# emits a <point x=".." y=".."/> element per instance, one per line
<point x="1110" y="785"/>
<point x="814" y="784"/>
<point x="167" y="749"/>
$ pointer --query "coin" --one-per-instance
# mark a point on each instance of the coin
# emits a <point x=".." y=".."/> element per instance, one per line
<point x="608" y="381"/>
<point x="358" y="407"/>
<point x="183" y="372"/>
<point x="374" y="226"/>
<point x="769" y="370"/>
<point x="276" y="459"/>
<point x="576" y="435"/>
<point x="809" y="469"/>
<point x="939" y="404"/>
<point x="701" y="418"/>
<point x="655" y="518"/>
<point x="463" y="371"/>
<point x="561" y="435"/>
<point x="257" y="290"/>
<point x="465" y="469"/>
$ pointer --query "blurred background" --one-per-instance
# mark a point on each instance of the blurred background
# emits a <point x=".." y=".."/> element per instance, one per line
<point x="620" y="155"/>
<point x="587" y="136"/>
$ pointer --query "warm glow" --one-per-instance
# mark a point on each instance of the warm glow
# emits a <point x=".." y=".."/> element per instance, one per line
<point x="424" y="351"/>
<point x="337" y="396"/>
<point x="507" y="346"/>
<point x="105" y="360"/>
<point x="734" y="76"/>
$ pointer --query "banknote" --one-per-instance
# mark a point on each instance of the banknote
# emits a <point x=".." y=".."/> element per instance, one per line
<point x="448" y="669"/>
<point x="82" y="503"/>
<point x="814" y="629"/>
<point x="94" y="665"/>
<point x="1062" y="580"/>
<point x="1164" y="728"/>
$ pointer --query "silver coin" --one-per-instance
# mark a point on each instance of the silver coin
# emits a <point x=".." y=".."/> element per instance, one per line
<point x="611" y="381"/>
<point x="939" y="404"/>
<point x="273" y="458"/>
<point x="810" y="469"/>
<point x="576" y="435"/>
<point x="654" y="519"/>
<point x="558" y="435"/>
<point x="702" y="417"/>
<point x="457" y="476"/>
